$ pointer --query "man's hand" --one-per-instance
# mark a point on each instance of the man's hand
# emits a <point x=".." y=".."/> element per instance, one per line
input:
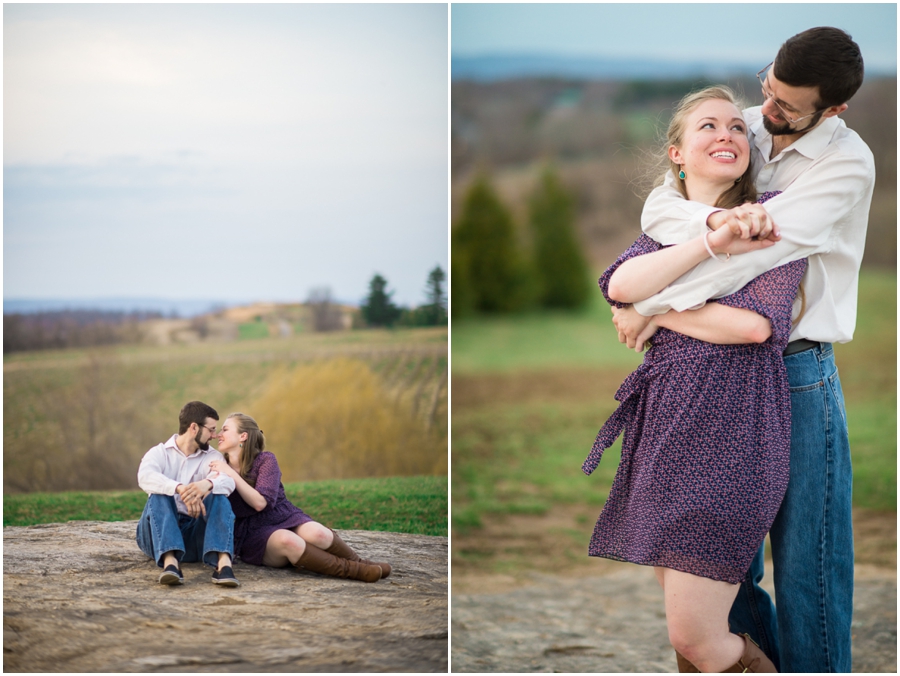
<point x="634" y="328"/>
<point x="746" y="221"/>
<point x="192" y="494"/>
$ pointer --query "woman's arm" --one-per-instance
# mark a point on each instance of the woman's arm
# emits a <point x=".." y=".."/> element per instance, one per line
<point x="644" y="276"/>
<point x="713" y="323"/>
<point x="720" y="324"/>
<point x="249" y="494"/>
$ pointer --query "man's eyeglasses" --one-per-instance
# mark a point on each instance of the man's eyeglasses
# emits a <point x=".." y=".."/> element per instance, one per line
<point x="212" y="430"/>
<point x="769" y="95"/>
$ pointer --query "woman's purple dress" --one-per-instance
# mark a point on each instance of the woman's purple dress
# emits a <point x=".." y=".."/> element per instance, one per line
<point x="251" y="528"/>
<point x="705" y="456"/>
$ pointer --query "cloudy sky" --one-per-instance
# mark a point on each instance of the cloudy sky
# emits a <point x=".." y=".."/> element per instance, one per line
<point x="231" y="152"/>
<point x="708" y="31"/>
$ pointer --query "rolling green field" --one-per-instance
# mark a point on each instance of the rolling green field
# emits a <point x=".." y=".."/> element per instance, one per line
<point x="396" y="504"/>
<point x="80" y="420"/>
<point x="530" y="393"/>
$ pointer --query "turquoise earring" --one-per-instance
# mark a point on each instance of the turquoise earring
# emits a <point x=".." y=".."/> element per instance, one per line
<point x="681" y="174"/>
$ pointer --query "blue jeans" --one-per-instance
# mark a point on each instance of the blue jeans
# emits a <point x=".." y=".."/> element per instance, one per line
<point x="812" y="536"/>
<point x="162" y="529"/>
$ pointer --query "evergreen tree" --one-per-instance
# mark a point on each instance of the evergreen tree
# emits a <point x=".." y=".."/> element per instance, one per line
<point x="485" y="241"/>
<point x="462" y="304"/>
<point x="434" y="312"/>
<point x="560" y="268"/>
<point x="378" y="310"/>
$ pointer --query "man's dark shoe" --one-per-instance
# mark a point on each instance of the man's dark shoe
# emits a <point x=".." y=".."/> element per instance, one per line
<point x="225" y="577"/>
<point x="171" y="575"/>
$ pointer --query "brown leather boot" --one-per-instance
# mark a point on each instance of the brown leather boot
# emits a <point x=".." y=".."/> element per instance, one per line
<point x="342" y="549"/>
<point x="753" y="661"/>
<point x="685" y="667"/>
<point x="320" y="561"/>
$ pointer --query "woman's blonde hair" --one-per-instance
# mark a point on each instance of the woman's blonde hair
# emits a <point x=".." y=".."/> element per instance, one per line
<point x="252" y="447"/>
<point x="743" y="190"/>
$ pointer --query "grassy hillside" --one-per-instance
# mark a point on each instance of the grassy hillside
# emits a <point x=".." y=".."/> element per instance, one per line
<point x="82" y="420"/>
<point x="530" y="393"/>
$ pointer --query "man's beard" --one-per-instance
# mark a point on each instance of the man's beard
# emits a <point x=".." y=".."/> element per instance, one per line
<point x="785" y="129"/>
<point x="203" y="446"/>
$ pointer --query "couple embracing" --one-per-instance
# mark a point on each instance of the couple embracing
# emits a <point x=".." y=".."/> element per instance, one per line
<point x="734" y="425"/>
<point x="212" y="506"/>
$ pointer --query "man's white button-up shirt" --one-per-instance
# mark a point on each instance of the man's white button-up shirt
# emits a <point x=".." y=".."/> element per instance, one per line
<point x="164" y="467"/>
<point x="826" y="178"/>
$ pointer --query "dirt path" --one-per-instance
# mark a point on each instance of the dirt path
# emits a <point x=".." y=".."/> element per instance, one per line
<point x="82" y="597"/>
<point x="552" y="611"/>
<point x="615" y="623"/>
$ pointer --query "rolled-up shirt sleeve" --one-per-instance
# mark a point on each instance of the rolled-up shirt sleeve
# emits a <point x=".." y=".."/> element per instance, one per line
<point x="151" y="473"/>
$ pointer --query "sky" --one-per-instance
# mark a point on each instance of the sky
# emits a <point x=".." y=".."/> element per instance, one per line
<point x="750" y="33"/>
<point x="224" y="151"/>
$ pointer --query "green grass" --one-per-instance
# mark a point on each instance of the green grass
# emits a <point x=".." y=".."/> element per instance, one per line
<point x="540" y="341"/>
<point x="513" y="458"/>
<point x="397" y="504"/>
<point x="252" y="331"/>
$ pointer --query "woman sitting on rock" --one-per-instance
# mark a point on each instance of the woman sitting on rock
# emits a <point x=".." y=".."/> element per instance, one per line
<point x="268" y="529"/>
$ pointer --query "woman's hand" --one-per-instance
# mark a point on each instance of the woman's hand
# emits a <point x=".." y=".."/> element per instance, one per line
<point x="223" y="468"/>
<point x="750" y="230"/>
<point x="746" y="221"/>
<point x="634" y="328"/>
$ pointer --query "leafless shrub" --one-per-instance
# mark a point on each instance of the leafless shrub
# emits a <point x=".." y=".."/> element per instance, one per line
<point x="326" y="315"/>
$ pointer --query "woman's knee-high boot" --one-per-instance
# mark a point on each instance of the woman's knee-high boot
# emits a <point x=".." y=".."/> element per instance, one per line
<point x="684" y="666"/>
<point x="753" y="661"/>
<point x="320" y="561"/>
<point x="342" y="549"/>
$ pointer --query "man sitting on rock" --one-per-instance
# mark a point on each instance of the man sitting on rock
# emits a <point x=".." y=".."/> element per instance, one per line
<point x="188" y="516"/>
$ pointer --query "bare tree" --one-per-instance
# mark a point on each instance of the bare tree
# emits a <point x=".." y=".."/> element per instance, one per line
<point x="326" y="315"/>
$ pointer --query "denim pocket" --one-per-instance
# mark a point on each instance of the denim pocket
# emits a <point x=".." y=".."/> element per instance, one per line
<point x="807" y="388"/>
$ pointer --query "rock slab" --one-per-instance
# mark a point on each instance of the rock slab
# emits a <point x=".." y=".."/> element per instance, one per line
<point x="617" y="624"/>
<point x="81" y="597"/>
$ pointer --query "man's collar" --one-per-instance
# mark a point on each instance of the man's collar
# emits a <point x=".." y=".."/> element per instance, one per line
<point x="171" y="444"/>
<point x="811" y="145"/>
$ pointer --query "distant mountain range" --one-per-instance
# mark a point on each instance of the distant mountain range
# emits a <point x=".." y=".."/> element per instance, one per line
<point x="492" y="67"/>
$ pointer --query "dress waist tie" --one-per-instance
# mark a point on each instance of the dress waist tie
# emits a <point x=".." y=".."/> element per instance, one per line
<point x="628" y="396"/>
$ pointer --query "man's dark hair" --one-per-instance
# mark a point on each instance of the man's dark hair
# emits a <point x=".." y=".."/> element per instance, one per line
<point x="195" y="412"/>
<point x="823" y="57"/>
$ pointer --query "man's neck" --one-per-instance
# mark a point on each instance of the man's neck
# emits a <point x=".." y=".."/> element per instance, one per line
<point x="186" y="445"/>
<point x="780" y="142"/>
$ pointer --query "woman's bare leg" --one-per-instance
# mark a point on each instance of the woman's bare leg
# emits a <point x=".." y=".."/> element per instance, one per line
<point x="315" y="534"/>
<point x="660" y="576"/>
<point x="697" y="616"/>
<point x="283" y="548"/>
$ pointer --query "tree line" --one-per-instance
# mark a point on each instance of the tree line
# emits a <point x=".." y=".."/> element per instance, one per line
<point x="378" y="309"/>
<point x="90" y="328"/>
<point x="71" y="328"/>
<point x="492" y="272"/>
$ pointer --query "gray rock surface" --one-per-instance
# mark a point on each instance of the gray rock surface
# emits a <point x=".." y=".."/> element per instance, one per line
<point x="616" y="623"/>
<point x="81" y="596"/>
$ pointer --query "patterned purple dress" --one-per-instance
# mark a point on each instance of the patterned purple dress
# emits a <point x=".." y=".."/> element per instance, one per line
<point x="705" y="456"/>
<point x="251" y="528"/>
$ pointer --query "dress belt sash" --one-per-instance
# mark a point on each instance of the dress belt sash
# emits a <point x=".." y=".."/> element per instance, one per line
<point x="628" y="396"/>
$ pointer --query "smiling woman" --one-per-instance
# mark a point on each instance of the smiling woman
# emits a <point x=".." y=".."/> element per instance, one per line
<point x="706" y="417"/>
